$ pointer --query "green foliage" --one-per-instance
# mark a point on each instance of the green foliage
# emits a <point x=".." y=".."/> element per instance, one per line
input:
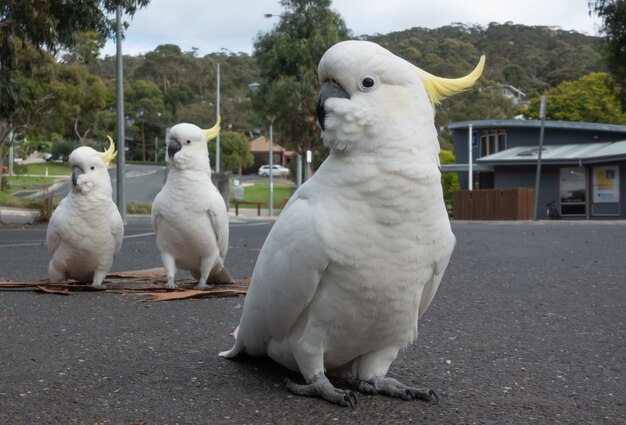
<point x="62" y="150"/>
<point x="234" y="152"/>
<point x="259" y="192"/>
<point x="132" y="208"/>
<point x="592" y="98"/>
<point x="449" y="181"/>
<point x="613" y="15"/>
<point x="48" y="24"/>
<point x="532" y="58"/>
<point x="53" y="168"/>
<point x="75" y="99"/>
<point x="287" y="57"/>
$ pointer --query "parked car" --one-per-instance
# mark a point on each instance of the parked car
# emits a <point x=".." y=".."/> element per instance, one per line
<point x="47" y="156"/>
<point x="277" y="170"/>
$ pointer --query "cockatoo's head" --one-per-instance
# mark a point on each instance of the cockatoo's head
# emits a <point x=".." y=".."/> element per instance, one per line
<point x="371" y="98"/>
<point x="89" y="169"/>
<point x="187" y="146"/>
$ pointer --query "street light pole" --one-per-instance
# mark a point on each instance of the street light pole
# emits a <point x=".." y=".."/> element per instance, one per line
<point x="271" y="119"/>
<point x="121" y="202"/>
<point x="217" y="111"/>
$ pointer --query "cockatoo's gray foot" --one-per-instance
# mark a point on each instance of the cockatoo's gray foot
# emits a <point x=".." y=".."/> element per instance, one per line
<point x="321" y="387"/>
<point x="393" y="388"/>
<point x="202" y="285"/>
<point x="170" y="283"/>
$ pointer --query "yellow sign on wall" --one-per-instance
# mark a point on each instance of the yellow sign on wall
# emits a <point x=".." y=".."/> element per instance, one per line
<point x="606" y="187"/>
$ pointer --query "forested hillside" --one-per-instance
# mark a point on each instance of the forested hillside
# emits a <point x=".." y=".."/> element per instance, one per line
<point x="167" y="85"/>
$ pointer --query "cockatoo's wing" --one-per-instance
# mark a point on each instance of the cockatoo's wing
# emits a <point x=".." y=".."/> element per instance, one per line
<point x="286" y="277"/>
<point x="155" y="216"/>
<point x="53" y="235"/>
<point x="117" y="228"/>
<point x="219" y="220"/>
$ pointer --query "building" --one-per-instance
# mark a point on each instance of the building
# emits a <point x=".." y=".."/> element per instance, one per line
<point x="260" y="148"/>
<point x="583" y="165"/>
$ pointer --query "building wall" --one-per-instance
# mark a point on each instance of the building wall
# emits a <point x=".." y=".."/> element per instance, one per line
<point x="524" y="176"/>
<point x="506" y="177"/>
<point x="521" y="136"/>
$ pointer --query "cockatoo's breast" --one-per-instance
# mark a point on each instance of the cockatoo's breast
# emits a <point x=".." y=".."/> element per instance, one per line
<point x="382" y="253"/>
<point x="88" y="235"/>
<point x="184" y="227"/>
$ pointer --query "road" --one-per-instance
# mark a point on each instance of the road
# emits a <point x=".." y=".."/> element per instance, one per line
<point x="529" y="326"/>
<point x="141" y="183"/>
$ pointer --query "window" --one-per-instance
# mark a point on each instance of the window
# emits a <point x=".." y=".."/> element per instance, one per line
<point x="573" y="191"/>
<point x="492" y="141"/>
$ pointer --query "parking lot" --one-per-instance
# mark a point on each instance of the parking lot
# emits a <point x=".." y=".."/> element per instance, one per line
<point x="528" y="326"/>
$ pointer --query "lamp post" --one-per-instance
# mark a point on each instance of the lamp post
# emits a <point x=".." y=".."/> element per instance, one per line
<point x="270" y="205"/>
<point x="217" y="108"/>
<point x="217" y="112"/>
<point x="121" y="153"/>
<point x="218" y="151"/>
<point x="542" y="115"/>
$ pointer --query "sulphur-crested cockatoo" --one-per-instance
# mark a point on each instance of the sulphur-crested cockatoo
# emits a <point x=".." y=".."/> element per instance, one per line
<point x="189" y="215"/>
<point x="86" y="229"/>
<point x="357" y="254"/>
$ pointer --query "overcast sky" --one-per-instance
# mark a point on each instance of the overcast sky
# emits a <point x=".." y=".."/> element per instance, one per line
<point x="233" y="24"/>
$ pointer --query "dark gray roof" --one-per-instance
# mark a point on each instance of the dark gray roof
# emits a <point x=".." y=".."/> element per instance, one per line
<point x="460" y="125"/>
<point x="559" y="154"/>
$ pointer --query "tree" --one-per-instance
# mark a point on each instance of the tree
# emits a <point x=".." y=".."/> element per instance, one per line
<point x="592" y="98"/>
<point x="45" y="24"/>
<point x="145" y="104"/>
<point x="613" y="15"/>
<point x="235" y="151"/>
<point x="287" y="57"/>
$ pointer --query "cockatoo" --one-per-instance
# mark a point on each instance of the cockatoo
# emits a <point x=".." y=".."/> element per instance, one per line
<point x="189" y="215"/>
<point x="86" y="229"/>
<point x="357" y="254"/>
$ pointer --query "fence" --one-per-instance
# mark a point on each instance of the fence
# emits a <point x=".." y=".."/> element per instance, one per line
<point x="494" y="204"/>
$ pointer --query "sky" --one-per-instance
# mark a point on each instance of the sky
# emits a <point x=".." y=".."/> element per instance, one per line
<point x="232" y="25"/>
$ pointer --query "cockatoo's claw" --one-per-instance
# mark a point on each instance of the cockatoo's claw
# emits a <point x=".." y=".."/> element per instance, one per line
<point x="170" y="283"/>
<point x="434" y="397"/>
<point x="321" y="387"/>
<point x="393" y="388"/>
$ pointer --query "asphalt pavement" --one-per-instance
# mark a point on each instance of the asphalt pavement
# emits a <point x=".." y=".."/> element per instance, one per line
<point x="528" y="326"/>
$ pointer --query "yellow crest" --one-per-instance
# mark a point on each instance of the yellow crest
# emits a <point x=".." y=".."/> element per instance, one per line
<point x="212" y="132"/>
<point x="437" y="88"/>
<point x="109" y="154"/>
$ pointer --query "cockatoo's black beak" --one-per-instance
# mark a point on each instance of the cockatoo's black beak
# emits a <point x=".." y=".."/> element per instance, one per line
<point x="329" y="89"/>
<point x="172" y="147"/>
<point x="76" y="171"/>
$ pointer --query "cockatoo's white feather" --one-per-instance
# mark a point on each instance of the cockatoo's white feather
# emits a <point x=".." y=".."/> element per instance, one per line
<point x="86" y="229"/>
<point x="359" y="251"/>
<point x="189" y="214"/>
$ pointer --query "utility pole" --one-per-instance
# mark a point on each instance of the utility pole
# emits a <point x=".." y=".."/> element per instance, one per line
<point x="542" y="115"/>
<point x="270" y="205"/>
<point x="121" y="145"/>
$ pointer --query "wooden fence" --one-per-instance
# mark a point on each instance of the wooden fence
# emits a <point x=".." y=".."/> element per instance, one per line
<point x="493" y="204"/>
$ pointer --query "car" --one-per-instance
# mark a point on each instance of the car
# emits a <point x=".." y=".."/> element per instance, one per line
<point x="277" y="170"/>
<point x="47" y="156"/>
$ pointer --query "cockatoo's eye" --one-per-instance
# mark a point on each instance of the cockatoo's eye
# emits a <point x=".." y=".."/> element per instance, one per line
<point x="188" y="142"/>
<point x="93" y="168"/>
<point x="367" y="83"/>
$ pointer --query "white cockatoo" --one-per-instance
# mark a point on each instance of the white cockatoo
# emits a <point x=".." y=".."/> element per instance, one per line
<point x="86" y="229"/>
<point x="357" y="254"/>
<point x="189" y="215"/>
